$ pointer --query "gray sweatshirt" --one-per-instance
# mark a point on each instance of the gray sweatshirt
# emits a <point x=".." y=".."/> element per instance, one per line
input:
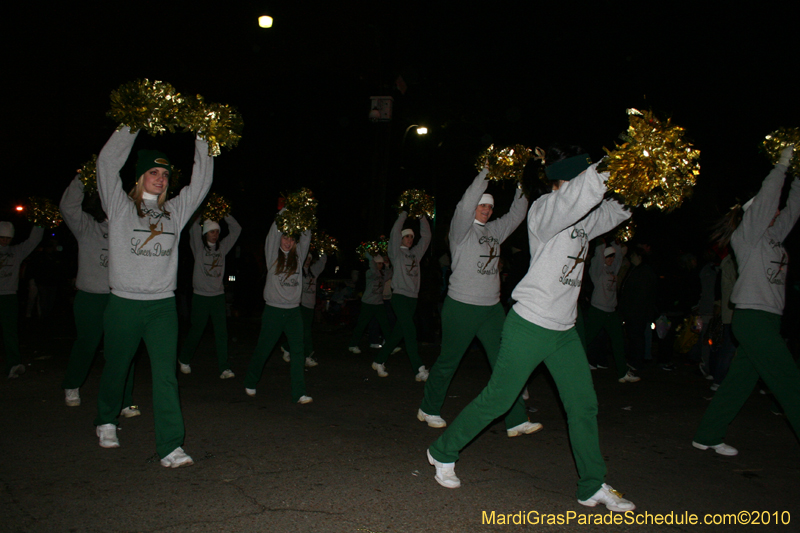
<point x="11" y="257"/>
<point x="604" y="278"/>
<point x="475" y="247"/>
<point x="406" y="261"/>
<point x="310" y="275"/>
<point x="375" y="281"/>
<point x="209" y="265"/>
<point x="92" y="237"/>
<point x="281" y="290"/>
<point x="560" y="226"/>
<point x="143" y="262"/>
<point x="762" y="259"/>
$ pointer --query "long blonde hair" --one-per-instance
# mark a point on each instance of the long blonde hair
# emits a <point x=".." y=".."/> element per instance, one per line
<point x="286" y="262"/>
<point x="137" y="193"/>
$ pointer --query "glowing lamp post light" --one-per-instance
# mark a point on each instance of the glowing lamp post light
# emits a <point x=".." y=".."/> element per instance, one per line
<point x="265" y="21"/>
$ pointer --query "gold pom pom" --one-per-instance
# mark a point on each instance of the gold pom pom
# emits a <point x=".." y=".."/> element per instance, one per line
<point x="626" y="232"/>
<point x="300" y="213"/>
<point x="654" y="166"/>
<point x="504" y="163"/>
<point x="145" y="105"/>
<point x="219" y="124"/>
<point x="43" y="213"/>
<point x="323" y="243"/>
<point x="216" y="208"/>
<point x="372" y="248"/>
<point x="88" y="174"/>
<point x="417" y="202"/>
<point x="775" y="142"/>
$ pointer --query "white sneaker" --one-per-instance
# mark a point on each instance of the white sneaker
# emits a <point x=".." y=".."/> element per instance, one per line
<point x="376" y="346"/>
<point x="629" y="378"/>
<point x="382" y="373"/>
<point x="445" y="473"/>
<point x="592" y="367"/>
<point x="72" y="397"/>
<point x="286" y="356"/>
<point x="611" y="498"/>
<point x="722" y="449"/>
<point x="526" y="428"/>
<point x="227" y="374"/>
<point x="423" y="373"/>
<point x="434" y="421"/>
<point x="185" y="369"/>
<point x="305" y="399"/>
<point x="16" y="371"/>
<point x="311" y="362"/>
<point x="108" y="436"/>
<point x="714" y="387"/>
<point x="130" y="412"/>
<point x="250" y="392"/>
<point x="355" y="349"/>
<point x="525" y="395"/>
<point x="177" y="459"/>
<point x="396" y="350"/>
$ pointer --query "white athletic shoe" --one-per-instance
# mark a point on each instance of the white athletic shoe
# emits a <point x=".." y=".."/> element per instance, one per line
<point x="130" y="412"/>
<point x="434" y="421"/>
<point x="445" y="473"/>
<point x="177" y="458"/>
<point x="227" y="374"/>
<point x="108" y="436"/>
<point x="526" y="428"/>
<point x="286" y="356"/>
<point x="355" y="349"/>
<point x="382" y="373"/>
<point x="422" y="375"/>
<point x="185" y="369"/>
<point x="611" y="498"/>
<point x="72" y="397"/>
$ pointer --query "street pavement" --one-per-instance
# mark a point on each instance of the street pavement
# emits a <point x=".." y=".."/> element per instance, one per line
<point x="354" y="459"/>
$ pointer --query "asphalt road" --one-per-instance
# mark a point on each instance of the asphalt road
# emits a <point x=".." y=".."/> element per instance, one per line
<point x="354" y="459"/>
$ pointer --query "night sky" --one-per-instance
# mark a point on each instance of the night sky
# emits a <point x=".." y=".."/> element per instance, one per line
<point x="531" y="75"/>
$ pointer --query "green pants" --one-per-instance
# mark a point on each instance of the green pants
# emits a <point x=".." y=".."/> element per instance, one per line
<point x="127" y="323"/>
<point x="404" y="307"/>
<point x="204" y="307"/>
<point x="460" y="324"/>
<point x="88" y="309"/>
<point x="275" y="321"/>
<point x="597" y="319"/>
<point x="365" y="316"/>
<point x="308" y="342"/>
<point x="523" y="347"/>
<point x="9" y="322"/>
<point x="762" y="353"/>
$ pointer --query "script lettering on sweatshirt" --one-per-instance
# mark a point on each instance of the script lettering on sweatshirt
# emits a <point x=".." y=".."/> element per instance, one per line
<point x="776" y="274"/>
<point x="574" y="261"/>
<point x="6" y="264"/>
<point x="156" y="229"/>
<point x="484" y="266"/>
<point x="412" y="267"/>
<point x="212" y="263"/>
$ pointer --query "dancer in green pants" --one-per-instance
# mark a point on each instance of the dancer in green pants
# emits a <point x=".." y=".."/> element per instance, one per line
<point x="91" y="232"/>
<point x="757" y="232"/>
<point x="282" y="293"/>
<point x="11" y="257"/>
<point x="405" y="258"/>
<point x="312" y="268"/>
<point x="602" y="314"/>
<point x="208" y="299"/>
<point x="541" y="325"/>
<point x="372" y="301"/>
<point x="144" y="233"/>
<point x="472" y="307"/>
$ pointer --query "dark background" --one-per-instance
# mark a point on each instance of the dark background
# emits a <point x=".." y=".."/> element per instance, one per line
<point x="524" y="72"/>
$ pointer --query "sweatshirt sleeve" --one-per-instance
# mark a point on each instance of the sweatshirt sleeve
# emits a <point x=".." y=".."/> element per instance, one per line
<point x="608" y="215"/>
<point x="465" y="210"/>
<point x="505" y="225"/>
<point x="596" y="265"/>
<point x="202" y="175"/>
<point x="757" y="218"/>
<point x="109" y="162"/>
<point x="424" y="237"/>
<point x="319" y="266"/>
<point x="71" y="207"/>
<point x="562" y="208"/>
<point x="789" y="214"/>
<point x="302" y="246"/>
<point x="195" y="237"/>
<point x="395" y="237"/>
<point x="619" y="254"/>
<point x="234" y="230"/>
<point x="26" y="247"/>
<point x="271" y="245"/>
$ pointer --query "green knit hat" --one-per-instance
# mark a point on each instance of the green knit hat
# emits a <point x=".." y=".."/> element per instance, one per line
<point x="149" y="159"/>
<point x="568" y="168"/>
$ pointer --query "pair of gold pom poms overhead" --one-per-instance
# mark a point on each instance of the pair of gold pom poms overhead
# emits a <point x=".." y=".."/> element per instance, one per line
<point x="156" y="107"/>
